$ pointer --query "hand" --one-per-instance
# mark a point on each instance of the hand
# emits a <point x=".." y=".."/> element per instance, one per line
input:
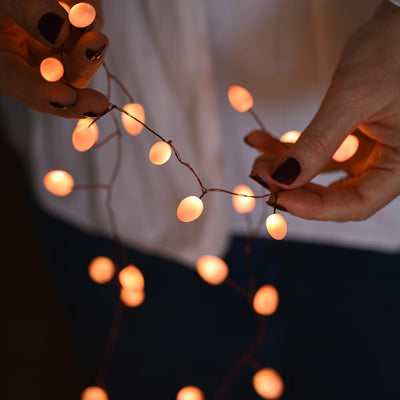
<point x="364" y="94"/>
<point x="33" y="30"/>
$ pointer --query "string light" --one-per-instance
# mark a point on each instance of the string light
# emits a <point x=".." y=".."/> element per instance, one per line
<point x="240" y="98"/>
<point x="290" y="137"/>
<point x="160" y="153"/>
<point x="212" y="269"/>
<point x="266" y="299"/>
<point x="347" y="149"/>
<point x="94" y="393"/>
<point x="85" y="134"/>
<point x="189" y="209"/>
<point x="131" y="278"/>
<point x="190" y="393"/>
<point x="82" y="15"/>
<point x="132" y="126"/>
<point x="276" y="226"/>
<point x="268" y="384"/>
<point x="132" y="298"/>
<point x="101" y="270"/>
<point x="59" y="182"/>
<point x="241" y="204"/>
<point x="51" y="69"/>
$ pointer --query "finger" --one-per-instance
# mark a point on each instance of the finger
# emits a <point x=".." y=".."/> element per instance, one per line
<point x="264" y="142"/>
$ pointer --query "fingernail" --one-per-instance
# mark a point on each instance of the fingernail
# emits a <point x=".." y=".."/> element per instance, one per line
<point x="49" y="26"/>
<point x="92" y="114"/>
<point x="287" y="172"/>
<point x="95" y="55"/>
<point x="260" y="180"/>
<point x="276" y="206"/>
<point x="59" y="105"/>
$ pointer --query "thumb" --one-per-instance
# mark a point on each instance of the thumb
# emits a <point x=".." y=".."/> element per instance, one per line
<point x="45" y="20"/>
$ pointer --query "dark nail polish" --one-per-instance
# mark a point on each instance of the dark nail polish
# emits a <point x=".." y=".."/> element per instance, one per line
<point x="287" y="172"/>
<point x="260" y="180"/>
<point x="92" y="114"/>
<point x="49" y="26"/>
<point x="95" y="55"/>
<point x="276" y="206"/>
<point x="58" y="105"/>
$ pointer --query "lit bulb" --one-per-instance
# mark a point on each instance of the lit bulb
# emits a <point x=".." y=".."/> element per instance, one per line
<point x="189" y="209"/>
<point x="240" y="98"/>
<point x="85" y="134"/>
<point x="132" y="298"/>
<point x="347" y="149"/>
<point x="94" y="393"/>
<point x="58" y="182"/>
<point x="290" y="137"/>
<point x="212" y="269"/>
<point x="82" y="15"/>
<point x="160" y="153"/>
<point x="131" y="278"/>
<point x="276" y="226"/>
<point x="268" y="384"/>
<point x="266" y="299"/>
<point x="190" y="393"/>
<point x="51" y="69"/>
<point x="132" y="126"/>
<point x="101" y="270"/>
<point x="243" y="205"/>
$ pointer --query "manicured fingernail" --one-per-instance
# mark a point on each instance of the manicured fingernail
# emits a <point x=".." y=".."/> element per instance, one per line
<point x="95" y="55"/>
<point x="92" y="114"/>
<point x="59" y="105"/>
<point x="287" y="172"/>
<point x="260" y="180"/>
<point x="276" y="206"/>
<point x="49" y="26"/>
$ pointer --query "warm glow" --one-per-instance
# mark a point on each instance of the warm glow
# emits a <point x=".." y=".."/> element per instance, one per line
<point x="160" y="153"/>
<point x="347" y="149"/>
<point x="266" y="299"/>
<point x="212" y="269"/>
<point x="268" y="384"/>
<point x="101" y="270"/>
<point x="290" y="137"/>
<point x="82" y="15"/>
<point x="59" y="183"/>
<point x="240" y="98"/>
<point x="132" y="126"/>
<point x="94" y="393"/>
<point x="189" y="209"/>
<point x="190" y="393"/>
<point x="276" y="226"/>
<point x="85" y="134"/>
<point x="131" y="278"/>
<point x="65" y="6"/>
<point x="51" y="69"/>
<point x="132" y="298"/>
<point x="243" y="205"/>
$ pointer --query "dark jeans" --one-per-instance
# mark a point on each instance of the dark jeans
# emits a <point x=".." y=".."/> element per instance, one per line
<point x="335" y="335"/>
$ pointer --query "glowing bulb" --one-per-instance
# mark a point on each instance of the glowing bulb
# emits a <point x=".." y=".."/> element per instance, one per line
<point x="94" y="393"/>
<point x="82" y="15"/>
<point x="240" y="98"/>
<point x="85" y="134"/>
<point x="101" y="270"/>
<point x="290" y="137"/>
<point x="266" y="299"/>
<point x="190" y="393"/>
<point x="58" y="182"/>
<point x="132" y="298"/>
<point x="347" y="149"/>
<point x="51" y="69"/>
<point x="160" y="153"/>
<point x="243" y="205"/>
<point x="212" y="269"/>
<point x="276" y="226"/>
<point x="268" y="384"/>
<point x="131" y="278"/>
<point x="189" y="209"/>
<point x="132" y="126"/>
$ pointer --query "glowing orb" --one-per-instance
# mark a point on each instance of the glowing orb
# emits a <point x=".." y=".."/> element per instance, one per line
<point x="189" y="209"/>
<point x="51" y="69"/>
<point x="243" y="205"/>
<point x="190" y="393"/>
<point x="101" y="270"/>
<point x="240" y="98"/>
<point x="266" y="299"/>
<point x="276" y="226"/>
<point x="212" y="269"/>
<point x="59" y="183"/>
<point x="82" y="15"/>
<point x="347" y="149"/>
<point x="85" y="134"/>
<point x="131" y="278"/>
<point x="160" y="153"/>
<point x="132" y="298"/>
<point x="290" y="137"/>
<point x="268" y="384"/>
<point x="94" y="393"/>
<point x="132" y="126"/>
